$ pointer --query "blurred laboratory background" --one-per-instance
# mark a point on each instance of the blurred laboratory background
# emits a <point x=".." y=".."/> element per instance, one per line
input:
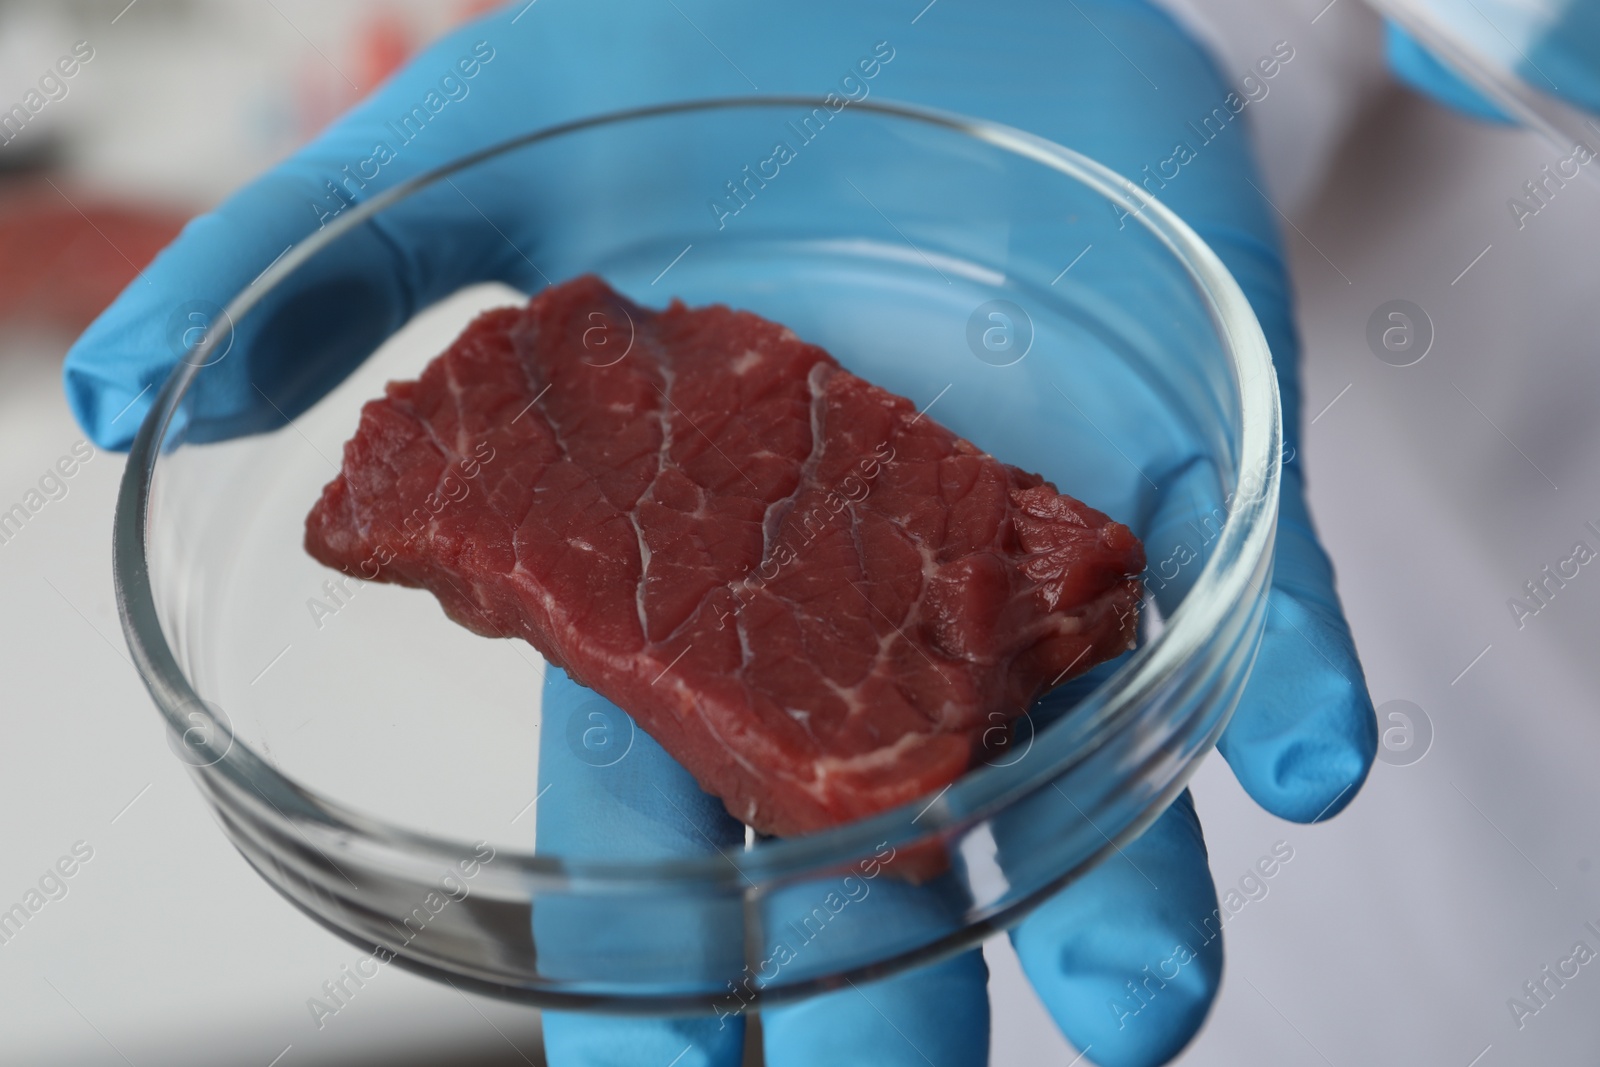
<point x="1398" y="933"/>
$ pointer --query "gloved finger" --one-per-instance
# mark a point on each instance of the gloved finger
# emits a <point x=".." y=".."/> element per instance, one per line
<point x="1305" y="733"/>
<point x="308" y="335"/>
<point x="822" y="927"/>
<point x="573" y="1039"/>
<point x="1128" y="958"/>
<point x="933" y="1015"/>
<point x="608" y="791"/>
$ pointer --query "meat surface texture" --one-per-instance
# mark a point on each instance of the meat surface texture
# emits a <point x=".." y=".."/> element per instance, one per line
<point x="819" y="601"/>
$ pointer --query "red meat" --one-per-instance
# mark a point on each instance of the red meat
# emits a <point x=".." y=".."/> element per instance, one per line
<point x="817" y="600"/>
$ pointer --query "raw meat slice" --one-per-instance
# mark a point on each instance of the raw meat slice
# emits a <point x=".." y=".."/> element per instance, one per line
<point x="820" y="601"/>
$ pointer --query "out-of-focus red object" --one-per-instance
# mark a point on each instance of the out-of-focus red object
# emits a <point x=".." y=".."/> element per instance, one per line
<point x="65" y="254"/>
<point x="382" y="47"/>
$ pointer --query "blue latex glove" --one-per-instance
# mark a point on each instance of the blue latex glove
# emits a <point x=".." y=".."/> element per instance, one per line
<point x="1564" y="61"/>
<point x="1420" y="69"/>
<point x="1304" y="734"/>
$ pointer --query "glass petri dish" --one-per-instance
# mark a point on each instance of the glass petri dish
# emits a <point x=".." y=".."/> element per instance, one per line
<point x="379" y="766"/>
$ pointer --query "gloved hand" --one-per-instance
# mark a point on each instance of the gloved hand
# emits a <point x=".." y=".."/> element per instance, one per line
<point x="1081" y="74"/>
<point x="1559" y="55"/>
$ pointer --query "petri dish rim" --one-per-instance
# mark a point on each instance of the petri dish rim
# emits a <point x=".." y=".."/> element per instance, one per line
<point x="1228" y="577"/>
